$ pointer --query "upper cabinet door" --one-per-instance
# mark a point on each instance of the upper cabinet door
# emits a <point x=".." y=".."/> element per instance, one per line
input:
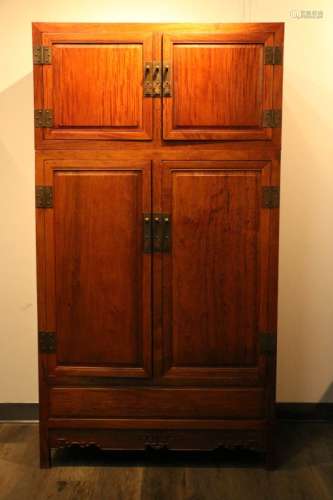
<point x="94" y="86"/>
<point x="223" y="86"/>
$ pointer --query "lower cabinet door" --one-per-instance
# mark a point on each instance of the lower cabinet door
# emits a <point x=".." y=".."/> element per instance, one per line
<point x="97" y="284"/>
<point x="212" y="288"/>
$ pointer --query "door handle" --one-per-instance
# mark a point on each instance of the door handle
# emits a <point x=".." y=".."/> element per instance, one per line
<point x="156" y="79"/>
<point x="147" y="80"/>
<point x="166" y="80"/>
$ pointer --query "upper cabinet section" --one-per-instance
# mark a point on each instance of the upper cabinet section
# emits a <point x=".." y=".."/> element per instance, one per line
<point x="90" y="86"/>
<point x="158" y="83"/>
<point x="222" y="85"/>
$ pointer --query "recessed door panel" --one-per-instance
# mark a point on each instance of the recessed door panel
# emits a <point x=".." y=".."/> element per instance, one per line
<point x="99" y="286"/>
<point x="220" y="86"/>
<point x="214" y="280"/>
<point x="97" y="85"/>
<point x="217" y="95"/>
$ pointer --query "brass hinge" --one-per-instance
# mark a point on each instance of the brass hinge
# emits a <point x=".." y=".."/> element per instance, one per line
<point x="273" y="55"/>
<point x="42" y="54"/>
<point x="157" y="80"/>
<point x="43" y="118"/>
<point x="270" y="197"/>
<point x="44" y="197"/>
<point x="267" y="342"/>
<point x="47" y="342"/>
<point x="156" y="232"/>
<point x="271" y="118"/>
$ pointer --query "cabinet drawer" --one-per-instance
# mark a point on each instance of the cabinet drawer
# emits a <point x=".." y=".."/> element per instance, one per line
<point x="156" y="403"/>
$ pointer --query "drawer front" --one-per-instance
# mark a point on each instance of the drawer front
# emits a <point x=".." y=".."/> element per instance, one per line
<point x="156" y="403"/>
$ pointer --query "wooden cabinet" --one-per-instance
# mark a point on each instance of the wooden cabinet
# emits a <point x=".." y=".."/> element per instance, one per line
<point x="157" y="195"/>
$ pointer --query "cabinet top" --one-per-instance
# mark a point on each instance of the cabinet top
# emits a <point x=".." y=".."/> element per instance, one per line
<point x="105" y="27"/>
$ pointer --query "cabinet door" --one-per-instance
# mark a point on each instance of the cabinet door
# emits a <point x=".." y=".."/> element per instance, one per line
<point x="97" y="278"/>
<point x="94" y="86"/>
<point x="220" y="85"/>
<point x="215" y="279"/>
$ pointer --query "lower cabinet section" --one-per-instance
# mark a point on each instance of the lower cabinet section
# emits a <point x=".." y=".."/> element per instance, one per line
<point x="179" y="419"/>
<point x="157" y="302"/>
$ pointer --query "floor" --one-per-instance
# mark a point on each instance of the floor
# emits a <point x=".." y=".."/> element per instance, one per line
<point x="305" y="470"/>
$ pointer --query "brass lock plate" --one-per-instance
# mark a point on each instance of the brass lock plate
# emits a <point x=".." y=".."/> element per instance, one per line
<point x="156" y="232"/>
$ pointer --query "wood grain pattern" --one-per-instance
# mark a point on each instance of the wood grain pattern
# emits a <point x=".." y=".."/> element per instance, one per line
<point x="214" y="251"/>
<point x="97" y="250"/>
<point x="112" y="91"/>
<point x="217" y="86"/>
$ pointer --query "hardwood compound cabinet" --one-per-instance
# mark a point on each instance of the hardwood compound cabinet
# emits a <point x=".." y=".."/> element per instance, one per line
<point x="157" y="195"/>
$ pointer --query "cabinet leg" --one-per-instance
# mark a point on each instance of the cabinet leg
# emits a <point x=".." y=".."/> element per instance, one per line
<point x="270" y="458"/>
<point x="45" y="458"/>
<point x="44" y="452"/>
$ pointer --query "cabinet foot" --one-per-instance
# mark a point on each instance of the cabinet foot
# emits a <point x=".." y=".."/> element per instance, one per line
<point x="45" y="457"/>
<point x="270" y="458"/>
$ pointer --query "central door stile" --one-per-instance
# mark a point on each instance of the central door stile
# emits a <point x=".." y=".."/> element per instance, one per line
<point x="157" y="270"/>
